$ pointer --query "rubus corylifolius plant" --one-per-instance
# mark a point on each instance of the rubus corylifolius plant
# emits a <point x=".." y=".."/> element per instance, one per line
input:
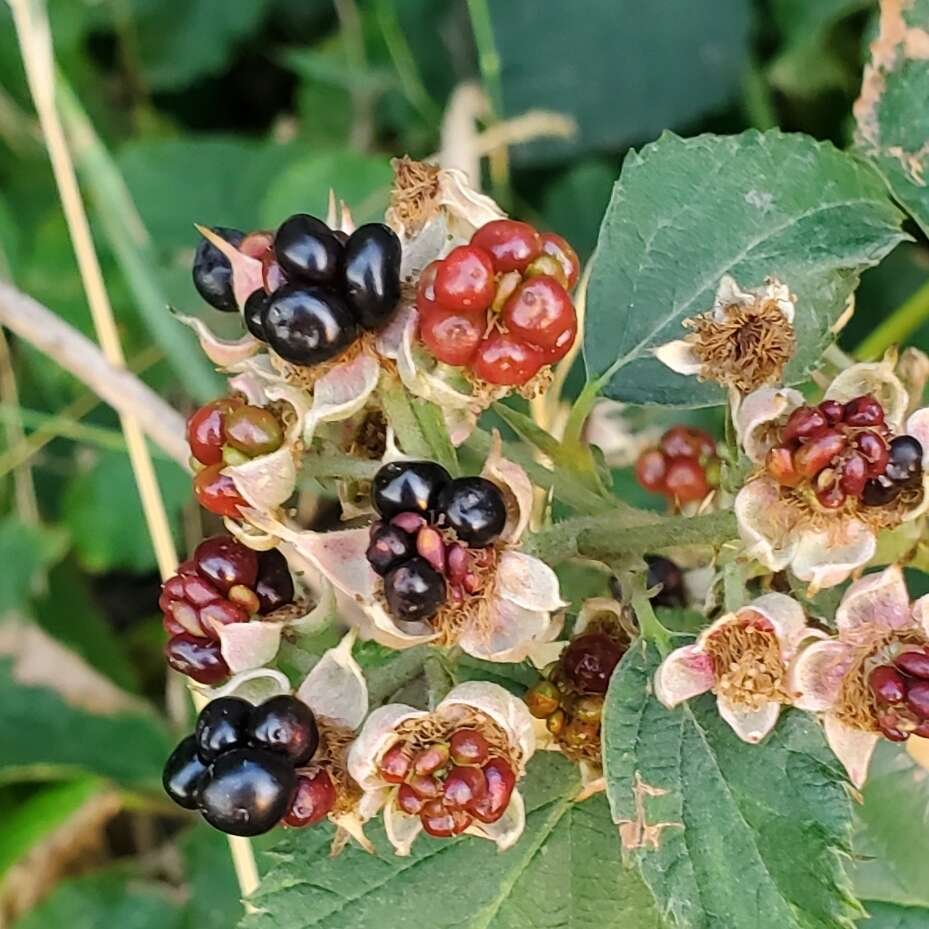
<point x="518" y="640"/>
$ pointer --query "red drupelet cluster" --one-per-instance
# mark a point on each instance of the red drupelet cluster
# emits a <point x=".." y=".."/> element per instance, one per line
<point x="901" y="692"/>
<point x="684" y="467"/>
<point x="224" y="582"/>
<point x="500" y="306"/>
<point x="451" y="783"/>
<point x="225" y="432"/>
<point x="844" y="451"/>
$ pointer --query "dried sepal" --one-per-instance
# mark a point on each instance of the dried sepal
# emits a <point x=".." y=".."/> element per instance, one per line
<point x="335" y="688"/>
<point x="246" y="271"/>
<point x="225" y="353"/>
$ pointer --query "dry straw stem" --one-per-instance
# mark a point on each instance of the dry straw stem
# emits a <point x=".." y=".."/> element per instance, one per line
<point x="35" y="41"/>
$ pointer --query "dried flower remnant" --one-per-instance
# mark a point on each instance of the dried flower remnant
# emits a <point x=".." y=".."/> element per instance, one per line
<point x="830" y="477"/>
<point x="872" y="678"/>
<point x="743" y="342"/>
<point x="450" y="771"/>
<point x="744" y="659"/>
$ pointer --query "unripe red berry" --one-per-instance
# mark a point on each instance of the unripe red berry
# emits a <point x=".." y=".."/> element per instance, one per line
<point x="451" y="336"/>
<point x="917" y="698"/>
<point x="464" y="786"/>
<point x="506" y="361"/>
<point x="687" y="442"/>
<point x="500" y="780"/>
<point x="804" y="423"/>
<point x="429" y="760"/>
<point x="199" y="659"/>
<point x="651" y="469"/>
<point x="914" y="663"/>
<point x="538" y="312"/>
<point x="811" y="458"/>
<point x="395" y="763"/>
<point x="887" y="684"/>
<point x="314" y="798"/>
<point x="863" y="411"/>
<point x="779" y="463"/>
<point x="853" y="474"/>
<point x="409" y="801"/>
<point x="253" y="431"/>
<point x="442" y="823"/>
<point x="510" y="244"/>
<point x="833" y="411"/>
<point x="217" y="492"/>
<point x="206" y="430"/>
<point x="468" y="746"/>
<point x="464" y="280"/>
<point x="685" y="480"/>
<point x="874" y="450"/>
<point x="554" y="245"/>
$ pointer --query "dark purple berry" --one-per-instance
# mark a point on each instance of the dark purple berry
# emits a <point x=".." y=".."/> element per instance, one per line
<point x="212" y="272"/>
<point x="200" y="659"/>
<point x="275" y="585"/>
<point x="183" y="774"/>
<point x="247" y="791"/>
<point x="474" y="508"/>
<point x="372" y="274"/>
<point x="415" y="591"/>
<point x="589" y="661"/>
<point x="389" y="547"/>
<point x="308" y="325"/>
<point x="408" y="487"/>
<point x="879" y="492"/>
<point x="307" y="250"/>
<point x="906" y="459"/>
<point x="917" y="698"/>
<point x="916" y="664"/>
<point x="252" y="313"/>
<point x="226" y="562"/>
<point x="222" y="725"/>
<point x="887" y="684"/>
<point x="664" y="572"/>
<point x="285" y="725"/>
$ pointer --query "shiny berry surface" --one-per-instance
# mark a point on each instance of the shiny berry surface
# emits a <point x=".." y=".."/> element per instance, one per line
<point x="253" y="312"/>
<point x="464" y="280"/>
<point x="685" y="480"/>
<point x="506" y="361"/>
<point x="468" y="746"/>
<point x="225" y="562"/>
<point x="510" y="244"/>
<point x="409" y="801"/>
<point x="664" y="573"/>
<point x="253" y="430"/>
<point x="687" y="442"/>
<point x="914" y="663"/>
<point x="538" y="312"/>
<point x="314" y="798"/>
<point x="206" y="432"/>
<point x="879" y="492"/>
<point x="274" y="586"/>
<point x="500" y="779"/>
<point x="651" y="469"/>
<point x="183" y="774"/>
<point x="451" y="336"/>
<point x="307" y="250"/>
<point x="590" y="660"/>
<point x="212" y="272"/>
<point x="389" y="547"/>
<point x="805" y="422"/>
<point x="543" y="699"/>
<point x="905" y="459"/>
<point x="217" y="492"/>
<point x="285" y="725"/>
<point x="443" y="823"/>
<point x="222" y="725"/>
<point x="415" y="591"/>
<point x="247" y="791"/>
<point x="371" y="274"/>
<point x="308" y="325"/>
<point x="395" y="763"/>
<point x="863" y="411"/>
<point x="887" y="684"/>
<point x="474" y="508"/>
<point x="554" y="245"/>
<point x="408" y="486"/>
<point x="464" y="786"/>
<point x="917" y="698"/>
<point x="198" y="658"/>
<point x="431" y="759"/>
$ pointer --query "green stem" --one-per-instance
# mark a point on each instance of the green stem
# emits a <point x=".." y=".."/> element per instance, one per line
<point x="652" y="631"/>
<point x="488" y="58"/>
<point x="902" y="322"/>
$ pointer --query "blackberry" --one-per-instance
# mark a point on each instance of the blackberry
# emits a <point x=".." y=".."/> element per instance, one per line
<point x="212" y="272"/>
<point x="372" y="274"/>
<point x="307" y="250"/>
<point x="308" y="325"/>
<point x="474" y="508"/>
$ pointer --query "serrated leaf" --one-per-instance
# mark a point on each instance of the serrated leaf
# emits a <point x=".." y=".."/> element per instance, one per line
<point x="891" y="841"/>
<point x="42" y="736"/>
<point x="726" y="835"/>
<point x="623" y="70"/>
<point x="564" y="873"/>
<point x="891" y="115"/>
<point x="891" y="916"/>
<point x="687" y="211"/>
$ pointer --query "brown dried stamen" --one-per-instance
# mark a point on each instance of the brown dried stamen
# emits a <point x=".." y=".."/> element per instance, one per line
<point x="747" y="658"/>
<point x="331" y="757"/>
<point x="426" y="731"/>
<point x="306" y="376"/>
<point x="412" y="197"/>
<point x="748" y="348"/>
<point x="856" y="705"/>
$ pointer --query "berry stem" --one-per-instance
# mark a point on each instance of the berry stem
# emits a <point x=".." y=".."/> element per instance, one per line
<point x="633" y="586"/>
<point x="895" y="328"/>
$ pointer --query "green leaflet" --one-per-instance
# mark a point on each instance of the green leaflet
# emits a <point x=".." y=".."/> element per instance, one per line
<point x="564" y="873"/>
<point x="744" y="837"/>
<point x="891" y="916"/>
<point x="686" y="212"/>
<point x="892" y="119"/>
<point x="602" y="56"/>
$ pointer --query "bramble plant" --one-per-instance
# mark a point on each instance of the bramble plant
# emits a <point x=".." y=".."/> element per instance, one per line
<point x="615" y="614"/>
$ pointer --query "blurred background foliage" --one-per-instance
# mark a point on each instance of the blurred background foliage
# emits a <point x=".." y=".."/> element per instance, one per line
<point x="240" y="112"/>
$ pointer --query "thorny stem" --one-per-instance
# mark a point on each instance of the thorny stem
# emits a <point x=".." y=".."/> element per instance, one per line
<point x="895" y="328"/>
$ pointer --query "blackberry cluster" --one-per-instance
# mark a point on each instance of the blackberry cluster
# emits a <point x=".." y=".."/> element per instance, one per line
<point x="570" y="696"/>
<point x="684" y="467"/>
<point x="845" y="451"/>
<point x="500" y="306"/>
<point x="223" y="582"/>
<point x="432" y="538"/>
<point x="322" y="288"/>
<point x="901" y="694"/>
<point x="240" y="768"/>
<point x="450" y="783"/>
<point x="228" y="431"/>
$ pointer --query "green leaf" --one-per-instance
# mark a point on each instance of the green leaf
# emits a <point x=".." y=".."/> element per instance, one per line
<point x="107" y="900"/>
<point x="892" y="119"/>
<point x="890" y="916"/>
<point x="739" y="831"/>
<point x="564" y="873"/>
<point x="686" y="212"/>
<point x="891" y="845"/>
<point x="25" y="550"/>
<point x="43" y="737"/>
<point x="214" y="891"/>
<point x="623" y="70"/>
<point x="102" y="510"/>
<point x="362" y="181"/>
